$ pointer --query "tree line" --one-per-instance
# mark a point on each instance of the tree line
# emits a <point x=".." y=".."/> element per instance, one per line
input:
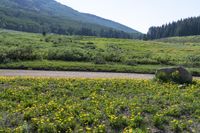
<point x="184" y="27"/>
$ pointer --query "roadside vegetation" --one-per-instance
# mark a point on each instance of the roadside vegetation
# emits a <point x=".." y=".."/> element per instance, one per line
<point x="97" y="105"/>
<point x="21" y="50"/>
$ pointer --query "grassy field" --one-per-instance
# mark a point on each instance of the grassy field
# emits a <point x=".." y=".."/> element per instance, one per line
<point x="21" y="50"/>
<point x="97" y="105"/>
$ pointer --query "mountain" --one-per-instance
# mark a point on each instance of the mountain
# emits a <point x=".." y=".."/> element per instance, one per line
<point x="51" y="16"/>
<point x="184" y="27"/>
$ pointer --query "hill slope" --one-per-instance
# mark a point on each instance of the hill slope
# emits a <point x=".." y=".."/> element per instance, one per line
<point x="51" y="16"/>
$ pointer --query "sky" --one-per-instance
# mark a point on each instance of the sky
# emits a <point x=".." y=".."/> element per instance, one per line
<point x="138" y="14"/>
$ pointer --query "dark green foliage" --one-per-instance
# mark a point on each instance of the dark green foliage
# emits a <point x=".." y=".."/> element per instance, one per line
<point x="19" y="54"/>
<point x="130" y="62"/>
<point x="73" y="54"/>
<point x="183" y="27"/>
<point x="3" y="56"/>
<point x="193" y="60"/>
<point x="114" y="53"/>
<point x="99" y="59"/>
<point x="44" y="33"/>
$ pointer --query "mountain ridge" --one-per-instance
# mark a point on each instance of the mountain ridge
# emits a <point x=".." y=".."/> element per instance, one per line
<point x="39" y="11"/>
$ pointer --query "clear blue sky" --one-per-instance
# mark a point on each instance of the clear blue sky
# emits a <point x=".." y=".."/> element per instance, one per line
<point x="138" y="14"/>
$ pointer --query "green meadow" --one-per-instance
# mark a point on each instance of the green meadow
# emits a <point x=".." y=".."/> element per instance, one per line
<point x="20" y="50"/>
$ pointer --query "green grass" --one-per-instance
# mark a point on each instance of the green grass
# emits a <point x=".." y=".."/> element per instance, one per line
<point x="87" y="66"/>
<point x="97" y="105"/>
<point x="59" y="52"/>
<point x="79" y="66"/>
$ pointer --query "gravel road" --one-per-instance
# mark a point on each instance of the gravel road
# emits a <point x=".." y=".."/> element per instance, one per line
<point x="71" y="74"/>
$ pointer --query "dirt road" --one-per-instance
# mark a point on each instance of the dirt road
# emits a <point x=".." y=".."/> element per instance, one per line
<point x="71" y="74"/>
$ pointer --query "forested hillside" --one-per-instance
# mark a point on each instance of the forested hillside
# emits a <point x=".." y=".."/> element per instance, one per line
<point x="50" y="16"/>
<point x="183" y="27"/>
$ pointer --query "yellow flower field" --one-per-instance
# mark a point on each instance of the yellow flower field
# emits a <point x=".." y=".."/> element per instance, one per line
<point x="97" y="105"/>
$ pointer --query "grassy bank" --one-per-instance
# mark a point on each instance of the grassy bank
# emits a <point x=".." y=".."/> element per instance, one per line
<point x="79" y="66"/>
<point x="87" y="66"/>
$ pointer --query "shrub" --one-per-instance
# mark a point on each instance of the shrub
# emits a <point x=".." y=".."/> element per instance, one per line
<point x="113" y="57"/>
<point x="99" y="59"/>
<point x="90" y="43"/>
<point x="3" y="56"/>
<point x="69" y="55"/>
<point x="130" y="62"/>
<point x="47" y="39"/>
<point x="119" y="123"/>
<point x="164" y="60"/>
<point x="145" y="61"/>
<point x="159" y="120"/>
<point x="178" y="126"/>
<point x="193" y="60"/>
<point x="89" y="46"/>
<point x="113" y="53"/>
<point x="22" y="53"/>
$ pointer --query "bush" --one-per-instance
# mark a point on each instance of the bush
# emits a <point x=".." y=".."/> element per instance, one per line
<point x="193" y="60"/>
<point x="114" y="53"/>
<point x="89" y="46"/>
<point x="19" y="53"/>
<point x="130" y="62"/>
<point x="69" y="55"/>
<point x="159" y="121"/>
<point x="113" y="57"/>
<point x="90" y="43"/>
<point x="164" y="60"/>
<point x="3" y="56"/>
<point x="99" y="59"/>
<point x="22" y="53"/>
<point x="145" y="61"/>
<point x="178" y="126"/>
